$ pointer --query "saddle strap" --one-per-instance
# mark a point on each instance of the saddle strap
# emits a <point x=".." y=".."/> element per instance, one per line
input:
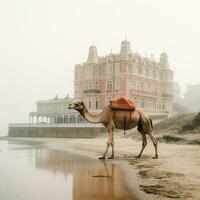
<point x="125" y="121"/>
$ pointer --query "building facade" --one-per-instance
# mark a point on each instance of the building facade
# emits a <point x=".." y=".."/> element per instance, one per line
<point x="177" y="93"/>
<point x="191" y="98"/>
<point x="55" y="111"/>
<point x="146" y="81"/>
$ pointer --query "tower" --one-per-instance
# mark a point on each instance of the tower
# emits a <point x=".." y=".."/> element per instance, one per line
<point x="125" y="50"/>
<point x="93" y="55"/>
<point x="164" y="60"/>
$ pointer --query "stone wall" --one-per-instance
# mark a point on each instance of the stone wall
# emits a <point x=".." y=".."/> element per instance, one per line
<point x="59" y="132"/>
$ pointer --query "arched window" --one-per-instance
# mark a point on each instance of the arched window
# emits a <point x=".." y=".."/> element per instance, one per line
<point x="80" y="119"/>
<point x="90" y="104"/>
<point x="72" y="119"/>
<point x="97" y="103"/>
<point x="59" y="120"/>
<point x="66" y="120"/>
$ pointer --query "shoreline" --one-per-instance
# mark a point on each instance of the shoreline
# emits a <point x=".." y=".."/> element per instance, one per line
<point x="127" y="169"/>
<point x="174" y="175"/>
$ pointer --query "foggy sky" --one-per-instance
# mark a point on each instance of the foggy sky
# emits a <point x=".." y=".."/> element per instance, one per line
<point x="42" y="40"/>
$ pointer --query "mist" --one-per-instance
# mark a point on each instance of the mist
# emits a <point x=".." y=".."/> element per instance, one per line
<point x="42" y="40"/>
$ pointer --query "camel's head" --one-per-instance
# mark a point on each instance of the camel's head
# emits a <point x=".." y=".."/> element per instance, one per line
<point x="76" y="106"/>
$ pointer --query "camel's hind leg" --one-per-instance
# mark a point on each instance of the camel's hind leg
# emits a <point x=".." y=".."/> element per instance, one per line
<point x="154" y="143"/>
<point x="144" y="144"/>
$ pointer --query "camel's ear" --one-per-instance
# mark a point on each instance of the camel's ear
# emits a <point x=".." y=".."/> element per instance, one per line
<point x="81" y="102"/>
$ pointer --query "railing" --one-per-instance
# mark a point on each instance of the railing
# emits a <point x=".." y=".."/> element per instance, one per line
<point x="92" y="91"/>
<point x="133" y="91"/>
<point x="167" y="95"/>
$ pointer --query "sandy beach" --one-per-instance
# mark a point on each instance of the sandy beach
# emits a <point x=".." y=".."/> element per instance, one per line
<point x="175" y="174"/>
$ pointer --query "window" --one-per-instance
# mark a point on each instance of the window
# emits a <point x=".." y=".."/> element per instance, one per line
<point x="135" y="68"/>
<point x="140" y="69"/>
<point x="102" y="69"/>
<point x="142" y="104"/>
<point x="153" y="87"/>
<point x="86" y="85"/>
<point x="96" y="70"/>
<point x="97" y="104"/>
<point x="142" y="87"/>
<point x="76" y="75"/>
<point x="134" y="85"/>
<point x="163" y="105"/>
<point x="135" y="99"/>
<point x="90" y="85"/>
<point x="109" y="85"/>
<point x="117" y="68"/>
<point x="130" y="68"/>
<point x="90" y="104"/>
<point x="146" y="72"/>
<point x="150" y="72"/>
<point x="107" y="100"/>
<point x="117" y="85"/>
<point x="154" y="73"/>
<point x="109" y="68"/>
<point x="138" y="103"/>
<point x="88" y="71"/>
<point x="169" y="77"/>
<point x="148" y="87"/>
<point x="76" y="91"/>
<point x="96" y="85"/>
<point x="138" y="85"/>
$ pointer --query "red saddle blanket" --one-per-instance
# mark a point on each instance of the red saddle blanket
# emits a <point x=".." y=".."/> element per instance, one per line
<point x="122" y="103"/>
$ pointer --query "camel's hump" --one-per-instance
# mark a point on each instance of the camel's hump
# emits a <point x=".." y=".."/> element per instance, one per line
<point x="122" y="103"/>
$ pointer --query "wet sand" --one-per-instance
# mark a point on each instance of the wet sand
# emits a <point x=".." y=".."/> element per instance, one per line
<point x="175" y="175"/>
<point x="31" y="170"/>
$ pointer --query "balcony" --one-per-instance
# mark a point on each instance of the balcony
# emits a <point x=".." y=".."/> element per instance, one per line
<point x="143" y="93"/>
<point x="108" y="91"/>
<point x="166" y="95"/>
<point x="91" y="91"/>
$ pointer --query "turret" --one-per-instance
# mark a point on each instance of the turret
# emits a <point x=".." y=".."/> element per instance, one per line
<point x="93" y="55"/>
<point x="125" y="50"/>
<point x="164" y="61"/>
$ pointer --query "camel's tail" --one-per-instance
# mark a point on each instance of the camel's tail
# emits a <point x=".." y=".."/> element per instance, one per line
<point x="151" y="123"/>
<point x="140" y="126"/>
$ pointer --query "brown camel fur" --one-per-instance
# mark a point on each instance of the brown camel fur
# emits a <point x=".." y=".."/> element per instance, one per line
<point x="112" y="119"/>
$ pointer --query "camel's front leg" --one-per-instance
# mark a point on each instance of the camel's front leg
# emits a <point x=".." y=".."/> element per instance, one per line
<point x="104" y="154"/>
<point x="112" y="145"/>
<point x="112" y="155"/>
<point x="109" y="142"/>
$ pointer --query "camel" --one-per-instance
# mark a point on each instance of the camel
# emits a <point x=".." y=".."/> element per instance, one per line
<point x="112" y="119"/>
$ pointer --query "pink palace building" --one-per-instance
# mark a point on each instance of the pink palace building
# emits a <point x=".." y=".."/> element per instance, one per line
<point x="146" y="81"/>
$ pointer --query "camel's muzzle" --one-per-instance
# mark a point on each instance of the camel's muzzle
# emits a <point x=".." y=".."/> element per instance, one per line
<point x="70" y="106"/>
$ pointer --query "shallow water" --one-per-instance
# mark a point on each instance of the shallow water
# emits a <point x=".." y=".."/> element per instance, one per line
<point x="34" y="172"/>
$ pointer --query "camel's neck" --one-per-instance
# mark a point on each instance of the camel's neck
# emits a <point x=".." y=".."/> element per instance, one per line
<point x="97" y="118"/>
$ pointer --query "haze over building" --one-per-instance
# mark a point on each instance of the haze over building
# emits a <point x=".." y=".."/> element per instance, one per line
<point x="146" y="81"/>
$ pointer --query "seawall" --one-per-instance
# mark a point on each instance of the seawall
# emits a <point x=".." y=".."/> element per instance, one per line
<point x="55" y="130"/>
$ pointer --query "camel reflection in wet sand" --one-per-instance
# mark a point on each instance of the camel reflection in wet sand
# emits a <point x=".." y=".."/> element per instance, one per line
<point x="92" y="179"/>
